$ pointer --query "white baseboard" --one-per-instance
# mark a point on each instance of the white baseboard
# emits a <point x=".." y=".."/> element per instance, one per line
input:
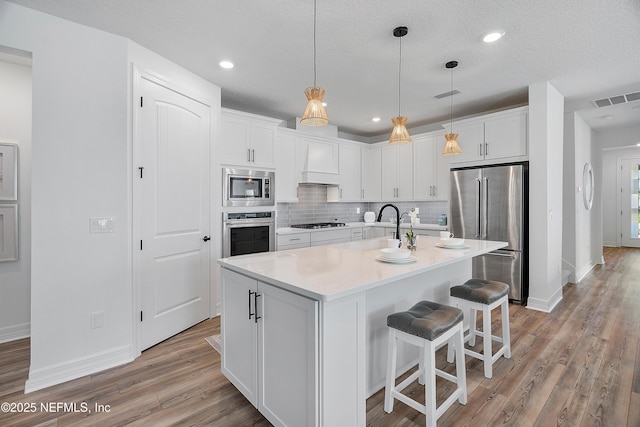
<point x="584" y="271"/>
<point x="15" y="332"/>
<point x="56" y="374"/>
<point x="545" y="305"/>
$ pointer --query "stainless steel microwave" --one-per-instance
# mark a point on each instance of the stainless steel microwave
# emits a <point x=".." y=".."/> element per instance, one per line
<point x="244" y="187"/>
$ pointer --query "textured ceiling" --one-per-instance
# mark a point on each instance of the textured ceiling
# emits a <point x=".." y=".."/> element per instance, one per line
<point x="587" y="49"/>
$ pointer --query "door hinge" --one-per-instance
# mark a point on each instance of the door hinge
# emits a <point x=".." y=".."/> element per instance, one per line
<point x="141" y="315"/>
<point x="141" y="102"/>
<point x="141" y="168"/>
<point x="140" y="244"/>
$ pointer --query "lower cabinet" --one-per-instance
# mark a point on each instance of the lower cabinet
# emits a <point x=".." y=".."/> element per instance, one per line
<point x="270" y="349"/>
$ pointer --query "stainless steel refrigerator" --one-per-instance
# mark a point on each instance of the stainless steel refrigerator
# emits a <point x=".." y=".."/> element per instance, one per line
<point x="490" y="203"/>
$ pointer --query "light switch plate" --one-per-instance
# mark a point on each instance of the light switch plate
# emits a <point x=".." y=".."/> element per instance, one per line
<point x="101" y="225"/>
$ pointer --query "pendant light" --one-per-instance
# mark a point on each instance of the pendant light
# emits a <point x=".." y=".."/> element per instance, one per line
<point x="451" y="147"/>
<point x="399" y="134"/>
<point x="314" y="113"/>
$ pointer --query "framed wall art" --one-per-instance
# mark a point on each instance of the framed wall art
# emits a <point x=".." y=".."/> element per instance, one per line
<point x="8" y="232"/>
<point x="8" y="172"/>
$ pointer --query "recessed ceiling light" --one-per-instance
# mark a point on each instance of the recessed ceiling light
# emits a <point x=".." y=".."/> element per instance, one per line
<point x="375" y="119"/>
<point x="493" y="36"/>
<point x="226" y="64"/>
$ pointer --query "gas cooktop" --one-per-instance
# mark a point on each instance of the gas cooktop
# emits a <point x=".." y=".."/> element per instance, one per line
<point x="320" y="225"/>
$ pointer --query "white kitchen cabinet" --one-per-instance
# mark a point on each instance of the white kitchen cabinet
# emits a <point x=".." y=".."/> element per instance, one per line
<point x="373" y="232"/>
<point x="293" y="241"/>
<point x="357" y="233"/>
<point x="286" y="183"/>
<point x="326" y="237"/>
<point x="247" y="139"/>
<point x="371" y="174"/>
<point x="350" y="189"/>
<point x="397" y="172"/>
<point x="500" y="136"/>
<point x="269" y="334"/>
<point x="430" y="168"/>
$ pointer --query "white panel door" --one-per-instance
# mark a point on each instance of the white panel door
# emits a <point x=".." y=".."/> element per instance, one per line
<point x="174" y="134"/>
<point x="629" y="176"/>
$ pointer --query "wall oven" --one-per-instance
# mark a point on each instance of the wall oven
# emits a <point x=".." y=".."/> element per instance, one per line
<point x="244" y="187"/>
<point x="248" y="233"/>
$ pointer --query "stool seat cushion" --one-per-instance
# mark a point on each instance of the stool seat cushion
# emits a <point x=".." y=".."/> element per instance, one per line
<point x="479" y="290"/>
<point x="426" y="319"/>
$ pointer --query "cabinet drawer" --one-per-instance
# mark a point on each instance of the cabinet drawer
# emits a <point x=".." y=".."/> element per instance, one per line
<point x="357" y="234"/>
<point x="332" y="235"/>
<point x="298" y="239"/>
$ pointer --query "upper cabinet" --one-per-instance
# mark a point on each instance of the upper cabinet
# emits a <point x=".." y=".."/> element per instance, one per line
<point x="287" y="169"/>
<point x="430" y="168"/>
<point x="500" y="136"/>
<point x="397" y="172"/>
<point x="350" y="173"/>
<point x="247" y="139"/>
<point x="371" y="174"/>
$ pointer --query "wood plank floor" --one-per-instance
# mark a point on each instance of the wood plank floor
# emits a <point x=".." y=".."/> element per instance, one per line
<point x="578" y="366"/>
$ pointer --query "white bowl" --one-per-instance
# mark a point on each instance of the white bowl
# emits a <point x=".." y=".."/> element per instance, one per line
<point x="395" y="253"/>
<point x="452" y="243"/>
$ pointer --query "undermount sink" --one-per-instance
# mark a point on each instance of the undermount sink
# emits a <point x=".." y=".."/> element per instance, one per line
<point x="367" y="245"/>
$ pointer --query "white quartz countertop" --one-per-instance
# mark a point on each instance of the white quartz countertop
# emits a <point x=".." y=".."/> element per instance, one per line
<point x="291" y="230"/>
<point x="329" y="272"/>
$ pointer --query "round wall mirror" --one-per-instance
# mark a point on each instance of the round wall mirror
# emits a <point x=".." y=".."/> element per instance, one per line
<point x="587" y="185"/>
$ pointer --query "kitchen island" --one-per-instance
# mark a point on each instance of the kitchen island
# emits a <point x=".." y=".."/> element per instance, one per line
<point x="304" y="331"/>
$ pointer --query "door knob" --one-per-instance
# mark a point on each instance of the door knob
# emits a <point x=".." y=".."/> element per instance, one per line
<point x="206" y="238"/>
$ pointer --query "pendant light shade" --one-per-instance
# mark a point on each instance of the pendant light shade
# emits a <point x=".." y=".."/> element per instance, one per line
<point x="451" y="148"/>
<point x="399" y="134"/>
<point x="314" y="113"/>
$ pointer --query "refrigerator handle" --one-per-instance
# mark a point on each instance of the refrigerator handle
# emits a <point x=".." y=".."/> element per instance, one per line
<point x="485" y="216"/>
<point x="478" y="204"/>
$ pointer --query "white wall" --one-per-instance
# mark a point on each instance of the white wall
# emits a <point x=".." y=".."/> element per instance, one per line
<point x="15" y="127"/>
<point x="81" y="168"/>
<point x="615" y="144"/>
<point x="546" y="111"/>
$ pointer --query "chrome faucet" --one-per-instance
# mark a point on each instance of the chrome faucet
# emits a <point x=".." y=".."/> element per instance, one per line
<point x="397" y="234"/>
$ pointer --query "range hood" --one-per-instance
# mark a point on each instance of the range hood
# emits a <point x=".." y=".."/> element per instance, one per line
<point x="320" y="163"/>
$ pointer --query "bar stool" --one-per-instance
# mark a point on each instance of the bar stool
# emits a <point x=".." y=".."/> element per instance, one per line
<point x="485" y="295"/>
<point x="428" y="325"/>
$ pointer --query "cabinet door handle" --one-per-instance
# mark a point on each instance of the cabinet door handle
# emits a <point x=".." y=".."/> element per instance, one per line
<point x="480" y="150"/>
<point x="293" y="240"/>
<point x="362" y="191"/>
<point x="248" y="155"/>
<point x="255" y="305"/>
<point x="250" y="313"/>
<point x="435" y="191"/>
<point x="253" y="155"/>
<point x="341" y="193"/>
<point x="486" y="148"/>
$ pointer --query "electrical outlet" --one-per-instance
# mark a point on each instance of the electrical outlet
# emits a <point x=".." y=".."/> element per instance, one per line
<point x="97" y="319"/>
<point x="357" y="210"/>
<point x="101" y="225"/>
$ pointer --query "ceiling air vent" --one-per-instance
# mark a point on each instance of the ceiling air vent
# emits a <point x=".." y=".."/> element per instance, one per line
<point x="619" y="99"/>
<point x="446" y="94"/>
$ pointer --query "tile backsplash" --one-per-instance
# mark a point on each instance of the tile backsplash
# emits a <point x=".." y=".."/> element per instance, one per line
<point x="313" y="207"/>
